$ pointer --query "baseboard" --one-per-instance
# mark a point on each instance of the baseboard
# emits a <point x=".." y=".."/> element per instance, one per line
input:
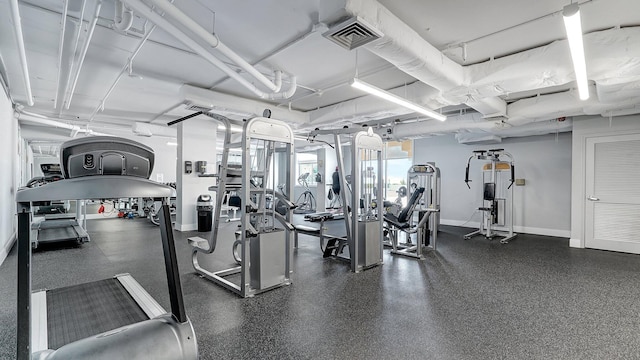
<point x="186" y="227"/>
<point x="518" y="229"/>
<point x="575" y="243"/>
<point x="7" y="247"/>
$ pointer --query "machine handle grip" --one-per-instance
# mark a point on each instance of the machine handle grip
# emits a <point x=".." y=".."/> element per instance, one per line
<point x="513" y="176"/>
<point x="466" y="177"/>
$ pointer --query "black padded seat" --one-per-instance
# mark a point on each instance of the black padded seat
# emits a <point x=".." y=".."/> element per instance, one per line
<point x="402" y="220"/>
<point x="393" y="220"/>
<point x="306" y="229"/>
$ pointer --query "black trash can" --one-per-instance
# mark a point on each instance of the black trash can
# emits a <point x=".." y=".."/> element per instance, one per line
<point x="205" y="212"/>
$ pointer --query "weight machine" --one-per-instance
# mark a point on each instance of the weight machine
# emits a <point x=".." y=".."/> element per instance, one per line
<point x="426" y="176"/>
<point x="362" y="216"/>
<point x="305" y="204"/>
<point x="424" y="197"/>
<point x="497" y="201"/>
<point x="263" y="244"/>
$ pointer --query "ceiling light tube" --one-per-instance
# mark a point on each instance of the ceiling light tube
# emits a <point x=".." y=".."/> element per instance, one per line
<point x="573" y="26"/>
<point x="361" y="85"/>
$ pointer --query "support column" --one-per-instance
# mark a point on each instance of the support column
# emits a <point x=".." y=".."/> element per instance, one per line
<point x="196" y="142"/>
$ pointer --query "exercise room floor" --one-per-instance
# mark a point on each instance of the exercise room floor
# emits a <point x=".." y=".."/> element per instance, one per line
<point x="534" y="298"/>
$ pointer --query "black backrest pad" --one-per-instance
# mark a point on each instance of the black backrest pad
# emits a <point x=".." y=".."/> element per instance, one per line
<point x="105" y="155"/>
<point x="403" y="217"/>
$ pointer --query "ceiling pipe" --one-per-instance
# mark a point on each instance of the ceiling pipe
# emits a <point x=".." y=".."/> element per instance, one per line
<point x="83" y="54"/>
<point x="222" y="103"/>
<point x="123" y="17"/>
<point x="45" y="121"/>
<point x="72" y="61"/>
<point x="60" y="48"/>
<point x="126" y="67"/>
<point x="212" y="40"/>
<point x="17" y="23"/>
<point x="143" y="9"/>
<point x="320" y="27"/>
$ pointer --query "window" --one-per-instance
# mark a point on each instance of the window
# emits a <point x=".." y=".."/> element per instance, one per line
<point x="399" y="158"/>
<point x="307" y="163"/>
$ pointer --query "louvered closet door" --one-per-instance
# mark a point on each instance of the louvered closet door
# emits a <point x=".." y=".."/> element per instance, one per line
<point x="612" y="212"/>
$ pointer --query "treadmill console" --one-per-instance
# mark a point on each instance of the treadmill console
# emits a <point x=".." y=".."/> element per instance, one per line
<point x="105" y="155"/>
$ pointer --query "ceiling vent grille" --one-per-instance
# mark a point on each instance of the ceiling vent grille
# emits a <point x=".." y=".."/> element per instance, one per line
<point x="198" y="108"/>
<point x="352" y="33"/>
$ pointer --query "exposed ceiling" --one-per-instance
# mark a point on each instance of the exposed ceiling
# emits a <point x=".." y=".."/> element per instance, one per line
<point x="498" y="68"/>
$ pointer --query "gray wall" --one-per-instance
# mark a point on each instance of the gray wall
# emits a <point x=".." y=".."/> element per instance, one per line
<point x="542" y="206"/>
<point x="197" y="139"/>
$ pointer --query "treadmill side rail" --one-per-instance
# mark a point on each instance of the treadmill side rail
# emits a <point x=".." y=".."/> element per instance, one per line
<point x="148" y="304"/>
<point x="39" y="335"/>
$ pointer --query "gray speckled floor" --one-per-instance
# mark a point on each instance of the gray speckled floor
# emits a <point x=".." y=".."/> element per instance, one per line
<point x="534" y="298"/>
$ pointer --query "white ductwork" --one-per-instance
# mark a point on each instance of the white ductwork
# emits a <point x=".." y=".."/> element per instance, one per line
<point x="536" y="115"/>
<point x="123" y="17"/>
<point x="612" y="59"/>
<point x="220" y="102"/>
<point x="612" y="64"/>
<point x="408" y="51"/>
<point x="215" y="43"/>
<point x="145" y="129"/>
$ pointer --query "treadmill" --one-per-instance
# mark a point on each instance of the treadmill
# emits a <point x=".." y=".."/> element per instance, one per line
<point x="53" y="223"/>
<point x="113" y="318"/>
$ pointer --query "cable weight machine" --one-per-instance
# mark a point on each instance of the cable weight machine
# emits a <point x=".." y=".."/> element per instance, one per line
<point x="497" y="201"/>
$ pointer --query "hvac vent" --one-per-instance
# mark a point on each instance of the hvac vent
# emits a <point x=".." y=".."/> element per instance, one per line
<point x="352" y="33"/>
<point x="496" y="117"/>
<point x="198" y="108"/>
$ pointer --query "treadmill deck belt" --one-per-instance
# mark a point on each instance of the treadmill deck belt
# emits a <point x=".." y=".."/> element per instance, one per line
<point x="57" y="234"/>
<point x="84" y="310"/>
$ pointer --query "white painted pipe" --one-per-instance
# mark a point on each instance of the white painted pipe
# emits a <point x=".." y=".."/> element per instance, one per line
<point x="17" y="22"/>
<point x="155" y="18"/>
<point x="92" y="27"/>
<point x="293" y="86"/>
<point x="122" y="72"/>
<point x="214" y="41"/>
<point x="60" y="48"/>
<point x="45" y="121"/>
<point x="123" y="17"/>
<point x="75" y="48"/>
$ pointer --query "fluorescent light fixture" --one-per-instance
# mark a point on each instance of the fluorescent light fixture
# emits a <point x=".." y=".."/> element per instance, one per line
<point x="571" y="15"/>
<point x="358" y="84"/>
<point x="172" y="143"/>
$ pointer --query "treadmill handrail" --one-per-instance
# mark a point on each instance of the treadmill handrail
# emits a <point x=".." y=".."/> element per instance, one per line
<point x="95" y="187"/>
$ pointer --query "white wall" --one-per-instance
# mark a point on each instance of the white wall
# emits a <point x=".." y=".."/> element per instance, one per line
<point x="542" y="206"/>
<point x="583" y="129"/>
<point x="197" y="141"/>
<point x="8" y="175"/>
